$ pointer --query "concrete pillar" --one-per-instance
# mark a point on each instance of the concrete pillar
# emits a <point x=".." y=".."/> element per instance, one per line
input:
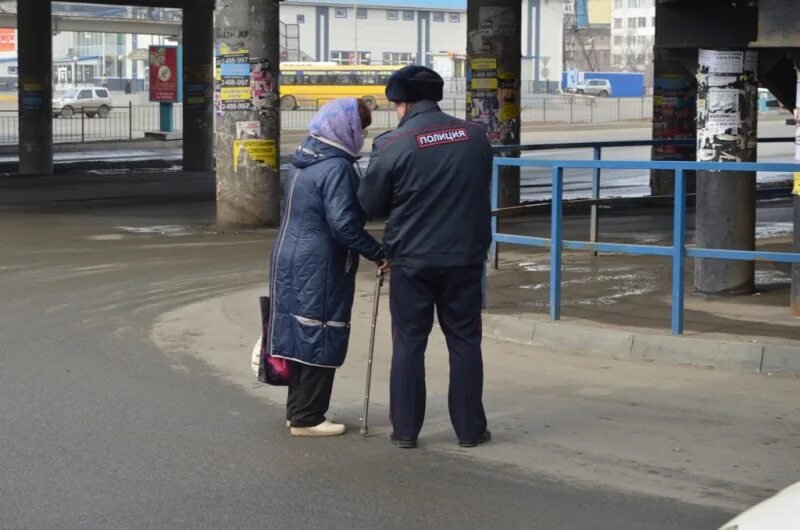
<point x="727" y="131"/>
<point x="795" y="301"/>
<point x="34" y="19"/>
<point x="494" y="54"/>
<point x="248" y="114"/>
<point x="198" y="87"/>
<point x="674" y="117"/>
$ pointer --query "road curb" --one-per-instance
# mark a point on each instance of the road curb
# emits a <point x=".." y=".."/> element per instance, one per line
<point x="748" y="357"/>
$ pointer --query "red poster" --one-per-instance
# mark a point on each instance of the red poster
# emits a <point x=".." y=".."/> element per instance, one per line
<point x="8" y="40"/>
<point x="164" y="74"/>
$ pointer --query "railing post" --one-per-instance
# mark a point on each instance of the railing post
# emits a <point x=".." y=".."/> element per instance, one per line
<point x="544" y="110"/>
<point x="495" y="250"/>
<point x="130" y="120"/>
<point x="593" y="232"/>
<point x="571" y="110"/>
<point x="555" y="243"/>
<point x="83" y="126"/>
<point x="619" y="109"/>
<point x="679" y="253"/>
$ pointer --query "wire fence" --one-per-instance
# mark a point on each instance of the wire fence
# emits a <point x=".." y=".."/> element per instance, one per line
<point x="121" y="123"/>
<point x="133" y="121"/>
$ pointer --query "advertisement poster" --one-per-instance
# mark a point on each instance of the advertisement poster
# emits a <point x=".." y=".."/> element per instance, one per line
<point x="259" y="150"/>
<point x="493" y="97"/>
<point x="726" y="106"/>
<point x="721" y="62"/>
<point x="234" y="70"/>
<point x="163" y="74"/>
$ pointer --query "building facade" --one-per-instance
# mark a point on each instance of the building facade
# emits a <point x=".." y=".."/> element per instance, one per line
<point x="419" y="32"/>
<point x="633" y="30"/>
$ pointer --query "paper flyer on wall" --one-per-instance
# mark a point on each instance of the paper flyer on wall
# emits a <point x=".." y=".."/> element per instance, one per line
<point x="721" y="62"/>
<point x="723" y="100"/>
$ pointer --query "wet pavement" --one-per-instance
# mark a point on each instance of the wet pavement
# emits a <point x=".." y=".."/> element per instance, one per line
<point x="126" y="413"/>
<point x="634" y="292"/>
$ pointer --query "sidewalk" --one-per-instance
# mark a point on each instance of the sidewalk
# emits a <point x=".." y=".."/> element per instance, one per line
<point x="712" y="438"/>
<point x="620" y="306"/>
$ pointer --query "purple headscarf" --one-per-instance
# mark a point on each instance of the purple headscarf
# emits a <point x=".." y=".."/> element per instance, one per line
<point x="338" y="123"/>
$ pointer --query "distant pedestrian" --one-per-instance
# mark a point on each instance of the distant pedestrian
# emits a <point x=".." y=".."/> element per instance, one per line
<point x="128" y="87"/>
<point x="431" y="178"/>
<point x="314" y="263"/>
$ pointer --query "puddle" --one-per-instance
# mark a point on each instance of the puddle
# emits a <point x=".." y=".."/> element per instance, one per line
<point x="772" y="277"/>
<point x="774" y="229"/>
<point x="617" y="286"/>
<point x="106" y="237"/>
<point x="161" y="230"/>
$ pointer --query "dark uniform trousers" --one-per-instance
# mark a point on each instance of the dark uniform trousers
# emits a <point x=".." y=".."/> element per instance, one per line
<point x="455" y="293"/>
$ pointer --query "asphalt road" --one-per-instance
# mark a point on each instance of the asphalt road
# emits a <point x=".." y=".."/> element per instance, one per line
<point x="101" y="429"/>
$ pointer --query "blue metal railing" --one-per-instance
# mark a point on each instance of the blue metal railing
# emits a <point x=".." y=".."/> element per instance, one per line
<point x="597" y="153"/>
<point x="679" y="251"/>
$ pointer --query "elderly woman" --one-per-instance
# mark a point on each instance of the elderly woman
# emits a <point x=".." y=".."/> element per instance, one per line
<point x="314" y="262"/>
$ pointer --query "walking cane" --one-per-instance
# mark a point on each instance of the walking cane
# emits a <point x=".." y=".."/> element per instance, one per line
<point x="378" y="285"/>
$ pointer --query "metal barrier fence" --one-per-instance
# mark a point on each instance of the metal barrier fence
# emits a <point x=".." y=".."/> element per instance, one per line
<point x="538" y="109"/>
<point x="597" y="152"/>
<point x="122" y="123"/>
<point x="679" y="250"/>
<point x="585" y="109"/>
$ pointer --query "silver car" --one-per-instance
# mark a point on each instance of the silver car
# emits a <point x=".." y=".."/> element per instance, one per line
<point x="89" y="101"/>
<point x="593" y="87"/>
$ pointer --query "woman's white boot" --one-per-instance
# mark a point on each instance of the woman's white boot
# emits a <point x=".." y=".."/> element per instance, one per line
<point x="326" y="428"/>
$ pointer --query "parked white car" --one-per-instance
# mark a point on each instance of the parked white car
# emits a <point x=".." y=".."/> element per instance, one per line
<point x="92" y="102"/>
<point x="593" y="87"/>
<point x="781" y="512"/>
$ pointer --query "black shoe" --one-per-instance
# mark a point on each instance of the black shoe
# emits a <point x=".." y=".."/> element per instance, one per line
<point x="403" y="443"/>
<point x="482" y="439"/>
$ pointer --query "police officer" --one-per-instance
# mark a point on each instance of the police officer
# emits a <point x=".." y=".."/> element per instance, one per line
<point x="431" y="178"/>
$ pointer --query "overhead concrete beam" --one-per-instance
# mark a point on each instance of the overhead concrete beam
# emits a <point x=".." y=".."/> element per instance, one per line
<point x="109" y="25"/>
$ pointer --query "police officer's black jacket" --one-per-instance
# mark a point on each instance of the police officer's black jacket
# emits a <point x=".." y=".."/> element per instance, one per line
<point x="431" y="177"/>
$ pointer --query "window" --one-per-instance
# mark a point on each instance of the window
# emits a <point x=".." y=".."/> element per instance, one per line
<point x="341" y="12"/>
<point x="399" y="58"/>
<point x="361" y="12"/>
<point x="101" y="92"/>
<point x="408" y="15"/>
<point x="454" y="17"/>
<point x="392" y="15"/>
<point x="618" y="23"/>
<point x="617" y="40"/>
<point x="288" y="78"/>
<point x="631" y="41"/>
<point x="348" y="57"/>
<point x="618" y="4"/>
<point x="641" y="40"/>
<point x="85" y="94"/>
<point x="642" y="22"/>
<point x="438" y="16"/>
<point x="301" y="19"/>
<point x="631" y="22"/>
<point x="653" y="21"/>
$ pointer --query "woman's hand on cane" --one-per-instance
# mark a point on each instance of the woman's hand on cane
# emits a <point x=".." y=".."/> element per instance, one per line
<point x="383" y="266"/>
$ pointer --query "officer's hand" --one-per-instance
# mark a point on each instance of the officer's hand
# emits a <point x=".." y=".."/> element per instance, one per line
<point x="383" y="266"/>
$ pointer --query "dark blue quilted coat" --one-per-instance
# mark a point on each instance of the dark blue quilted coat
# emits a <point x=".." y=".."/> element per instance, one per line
<point x="315" y="257"/>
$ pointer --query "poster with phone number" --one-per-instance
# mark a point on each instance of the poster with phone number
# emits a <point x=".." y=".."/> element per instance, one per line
<point x="163" y="74"/>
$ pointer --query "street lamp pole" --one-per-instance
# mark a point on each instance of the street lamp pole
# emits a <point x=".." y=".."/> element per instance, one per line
<point x="355" y="31"/>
